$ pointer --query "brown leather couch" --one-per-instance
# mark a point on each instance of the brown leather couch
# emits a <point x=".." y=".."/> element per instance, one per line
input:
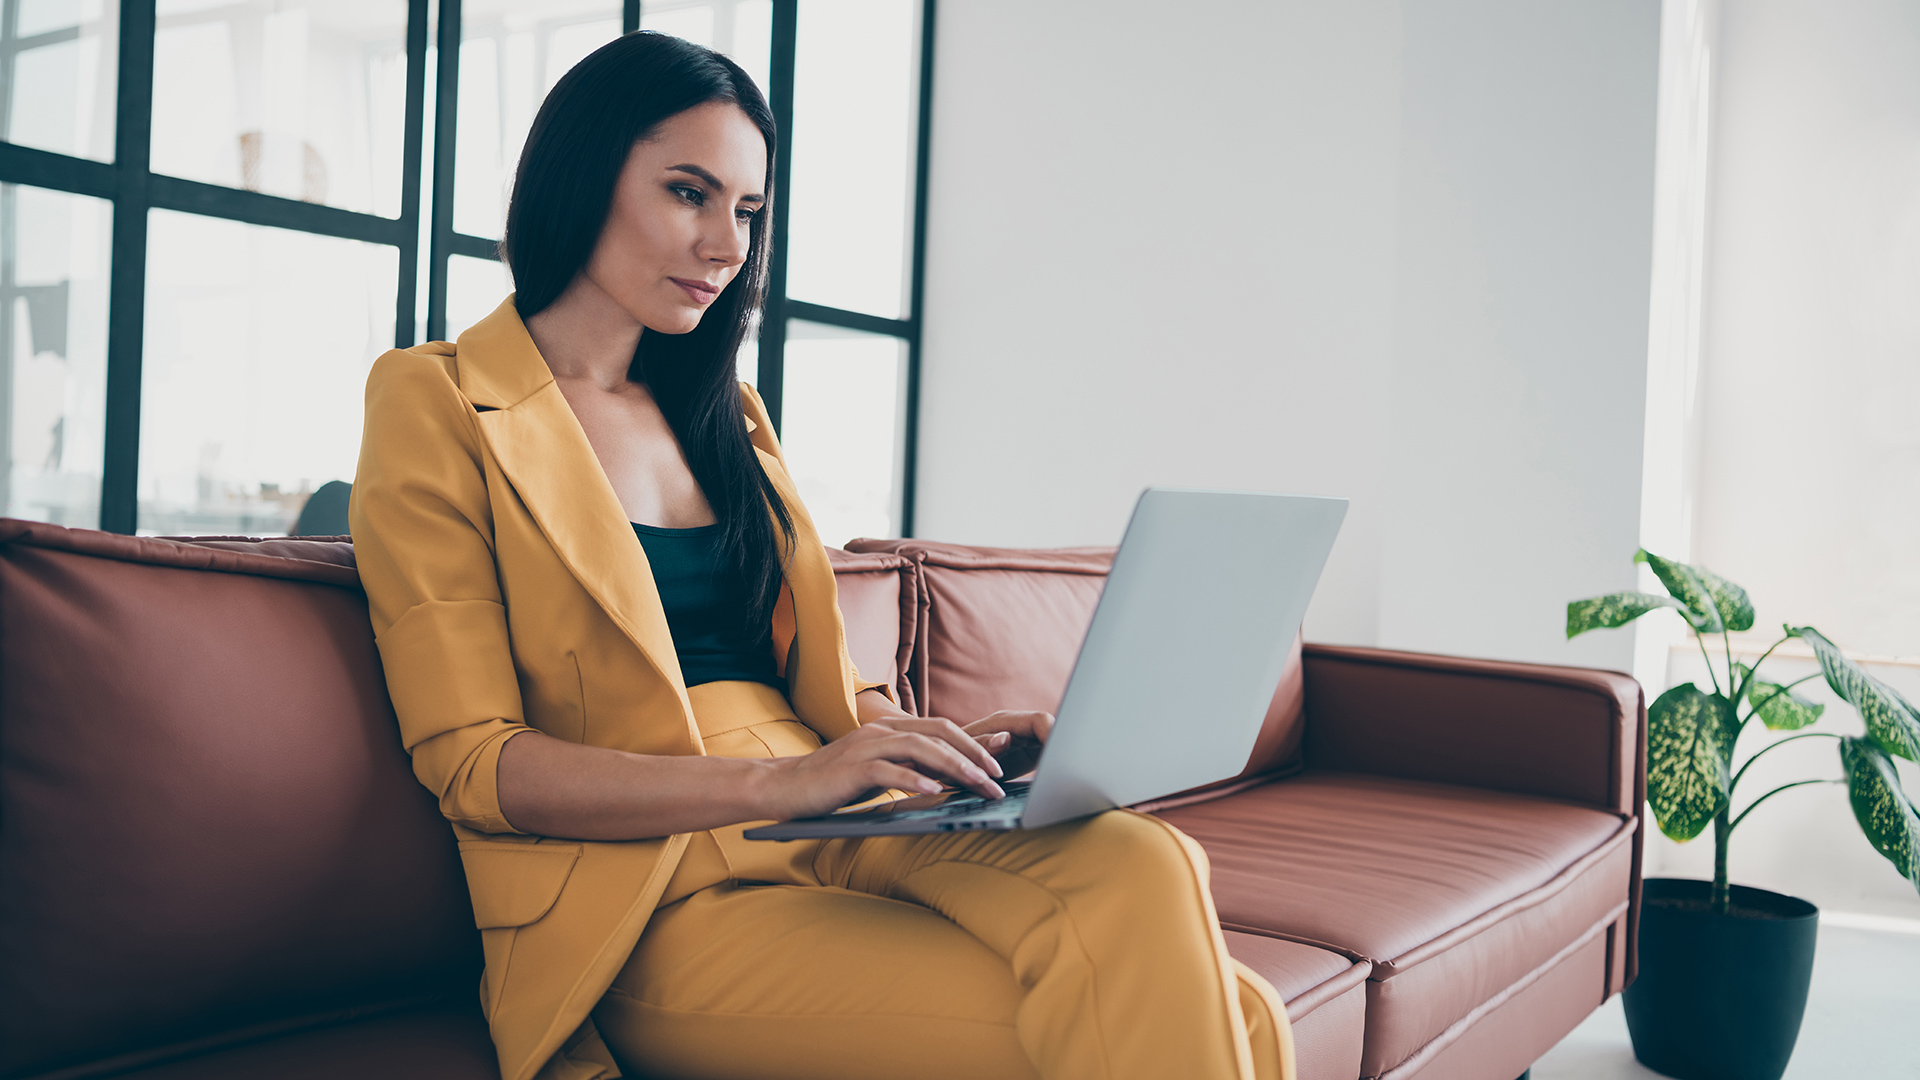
<point x="215" y="861"/>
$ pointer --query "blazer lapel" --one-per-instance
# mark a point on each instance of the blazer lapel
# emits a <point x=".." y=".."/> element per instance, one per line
<point x="544" y="453"/>
<point x="541" y="447"/>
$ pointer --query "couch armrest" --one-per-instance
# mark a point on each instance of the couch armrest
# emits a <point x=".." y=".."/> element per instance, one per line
<point x="1563" y="732"/>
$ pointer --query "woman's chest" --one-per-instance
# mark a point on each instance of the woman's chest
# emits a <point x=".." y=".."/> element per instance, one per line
<point x="643" y="462"/>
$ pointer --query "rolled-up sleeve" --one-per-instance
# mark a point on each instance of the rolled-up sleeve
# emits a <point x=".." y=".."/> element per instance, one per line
<point x="422" y="533"/>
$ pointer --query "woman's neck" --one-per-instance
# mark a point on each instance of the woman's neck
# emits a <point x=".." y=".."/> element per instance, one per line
<point x="584" y="335"/>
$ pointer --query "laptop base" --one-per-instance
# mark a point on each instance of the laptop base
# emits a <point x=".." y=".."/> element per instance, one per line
<point x="952" y="811"/>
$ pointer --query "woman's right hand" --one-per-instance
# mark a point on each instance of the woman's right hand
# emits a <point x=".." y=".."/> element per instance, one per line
<point x="906" y="752"/>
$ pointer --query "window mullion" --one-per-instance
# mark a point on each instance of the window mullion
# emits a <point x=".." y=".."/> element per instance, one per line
<point x="445" y="120"/>
<point x="771" y="379"/>
<point x="412" y="153"/>
<point x="127" y="283"/>
<point x="851" y="320"/>
<point x="916" y="288"/>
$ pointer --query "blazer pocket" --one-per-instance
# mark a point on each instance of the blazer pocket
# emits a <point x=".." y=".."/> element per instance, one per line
<point x="513" y="884"/>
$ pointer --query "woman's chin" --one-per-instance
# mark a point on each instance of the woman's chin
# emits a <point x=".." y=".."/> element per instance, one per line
<point x="676" y="323"/>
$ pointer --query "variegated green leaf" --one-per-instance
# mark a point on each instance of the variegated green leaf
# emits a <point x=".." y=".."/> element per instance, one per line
<point x="1614" y="609"/>
<point x="1891" y="721"/>
<point x="1730" y="600"/>
<point x="1912" y="709"/>
<point x="1686" y="586"/>
<point x="1884" y="811"/>
<point x="1689" y="748"/>
<point x="1776" y="706"/>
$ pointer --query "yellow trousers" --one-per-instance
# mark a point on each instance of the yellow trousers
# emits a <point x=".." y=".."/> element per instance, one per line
<point x="1087" y="949"/>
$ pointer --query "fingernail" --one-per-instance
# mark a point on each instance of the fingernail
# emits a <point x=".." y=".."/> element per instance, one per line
<point x="1001" y="738"/>
<point x="976" y="774"/>
<point x="997" y="771"/>
<point x="929" y="787"/>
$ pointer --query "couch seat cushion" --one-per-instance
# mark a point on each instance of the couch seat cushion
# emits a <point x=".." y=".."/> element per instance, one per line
<point x="1450" y="894"/>
<point x="448" y="1043"/>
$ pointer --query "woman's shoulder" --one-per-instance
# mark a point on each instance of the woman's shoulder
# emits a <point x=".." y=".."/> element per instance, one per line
<point x="755" y="410"/>
<point x="416" y="391"/>
<point x="759" y="430"/>
<point x="432" y="368"/>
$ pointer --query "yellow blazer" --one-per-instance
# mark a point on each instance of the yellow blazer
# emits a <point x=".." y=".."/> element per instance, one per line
<point x="508" y="592"/>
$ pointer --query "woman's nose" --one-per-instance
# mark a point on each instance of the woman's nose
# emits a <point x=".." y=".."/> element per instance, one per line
<point x="726" y="244"/>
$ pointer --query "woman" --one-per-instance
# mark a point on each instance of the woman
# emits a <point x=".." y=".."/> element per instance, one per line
<point x="612" y="641"/>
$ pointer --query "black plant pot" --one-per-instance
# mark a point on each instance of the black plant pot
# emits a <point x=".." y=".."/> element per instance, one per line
<point x="1719" y="997"/>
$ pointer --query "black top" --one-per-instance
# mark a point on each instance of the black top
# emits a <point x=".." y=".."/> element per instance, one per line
<point x="703" y="600"/>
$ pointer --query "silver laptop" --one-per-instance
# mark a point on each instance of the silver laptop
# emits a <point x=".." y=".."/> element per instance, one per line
<point x="1174" y="677"/>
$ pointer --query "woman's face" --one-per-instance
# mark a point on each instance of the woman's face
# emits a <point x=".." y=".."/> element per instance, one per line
<point x="682" y="217"/>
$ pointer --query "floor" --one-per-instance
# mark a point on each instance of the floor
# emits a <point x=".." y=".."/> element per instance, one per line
<point x="1860" y="1020"/>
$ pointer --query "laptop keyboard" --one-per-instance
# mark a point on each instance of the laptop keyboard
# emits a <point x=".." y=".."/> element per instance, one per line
<point x="970" y="806"/>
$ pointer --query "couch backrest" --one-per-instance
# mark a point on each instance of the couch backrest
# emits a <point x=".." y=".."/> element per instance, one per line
<point x="207" y="823"/>
<point x="878" y="605"/>
<point x="1000" y="628"/>
<point x="995" y="628"/>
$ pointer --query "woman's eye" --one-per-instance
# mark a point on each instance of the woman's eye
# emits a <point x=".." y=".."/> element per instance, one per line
<point x="691" y="195"/>
<point x="744" y="215"/>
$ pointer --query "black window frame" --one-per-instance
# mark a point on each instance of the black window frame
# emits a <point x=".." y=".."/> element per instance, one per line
<point x="133" y="190"/>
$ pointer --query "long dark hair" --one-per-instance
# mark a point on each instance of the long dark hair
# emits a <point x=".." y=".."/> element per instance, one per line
<point x="562" y="192"/>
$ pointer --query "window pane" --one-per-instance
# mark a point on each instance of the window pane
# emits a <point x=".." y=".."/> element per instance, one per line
<point x="840" y="428"/>
<point x="854" y="111"/>
<point x="302" y="100"/>
<point x="742" y="29"/>
<point x="746" y="362"/>
<point x="65" y="55"/>
<point x="258" y="343"/>
<point x="691" y="21"/>
<point x="474" y="288"/>
<point x="54" y="251"/>
<point x="511" y="54"/>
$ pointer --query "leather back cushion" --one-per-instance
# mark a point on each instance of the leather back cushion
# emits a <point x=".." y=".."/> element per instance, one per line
<point x="877" y="602"/>
<point x="999" y="628"/>
<point x="206" y="819"/>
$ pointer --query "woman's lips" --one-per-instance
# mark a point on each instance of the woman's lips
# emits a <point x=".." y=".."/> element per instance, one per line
<point x="699" y="291"/>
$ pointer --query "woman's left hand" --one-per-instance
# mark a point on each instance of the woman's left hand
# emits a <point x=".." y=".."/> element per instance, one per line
<point x="1014" y="737"/>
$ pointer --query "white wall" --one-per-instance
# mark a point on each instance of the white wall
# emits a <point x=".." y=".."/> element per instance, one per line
<point x="1161" y="240"/>
<point x="1523" y="269"/>
<point x="1392" y="250"/>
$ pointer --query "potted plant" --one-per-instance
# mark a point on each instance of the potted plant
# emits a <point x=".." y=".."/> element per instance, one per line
<point x="1724" y="969"/>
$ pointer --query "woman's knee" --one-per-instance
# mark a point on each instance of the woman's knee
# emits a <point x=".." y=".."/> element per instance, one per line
<point x="1269" y="1031"/>
<point x="1142" y="846"/>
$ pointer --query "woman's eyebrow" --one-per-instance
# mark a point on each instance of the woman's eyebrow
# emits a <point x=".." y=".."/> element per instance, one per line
<point x="695" y="170"/>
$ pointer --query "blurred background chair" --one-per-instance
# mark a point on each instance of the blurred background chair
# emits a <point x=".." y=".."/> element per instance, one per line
<point x="325" y="513"/>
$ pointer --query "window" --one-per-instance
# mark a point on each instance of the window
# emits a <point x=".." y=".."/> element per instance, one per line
<point x="213" y="217"/>
<point x="847" y="264"/>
